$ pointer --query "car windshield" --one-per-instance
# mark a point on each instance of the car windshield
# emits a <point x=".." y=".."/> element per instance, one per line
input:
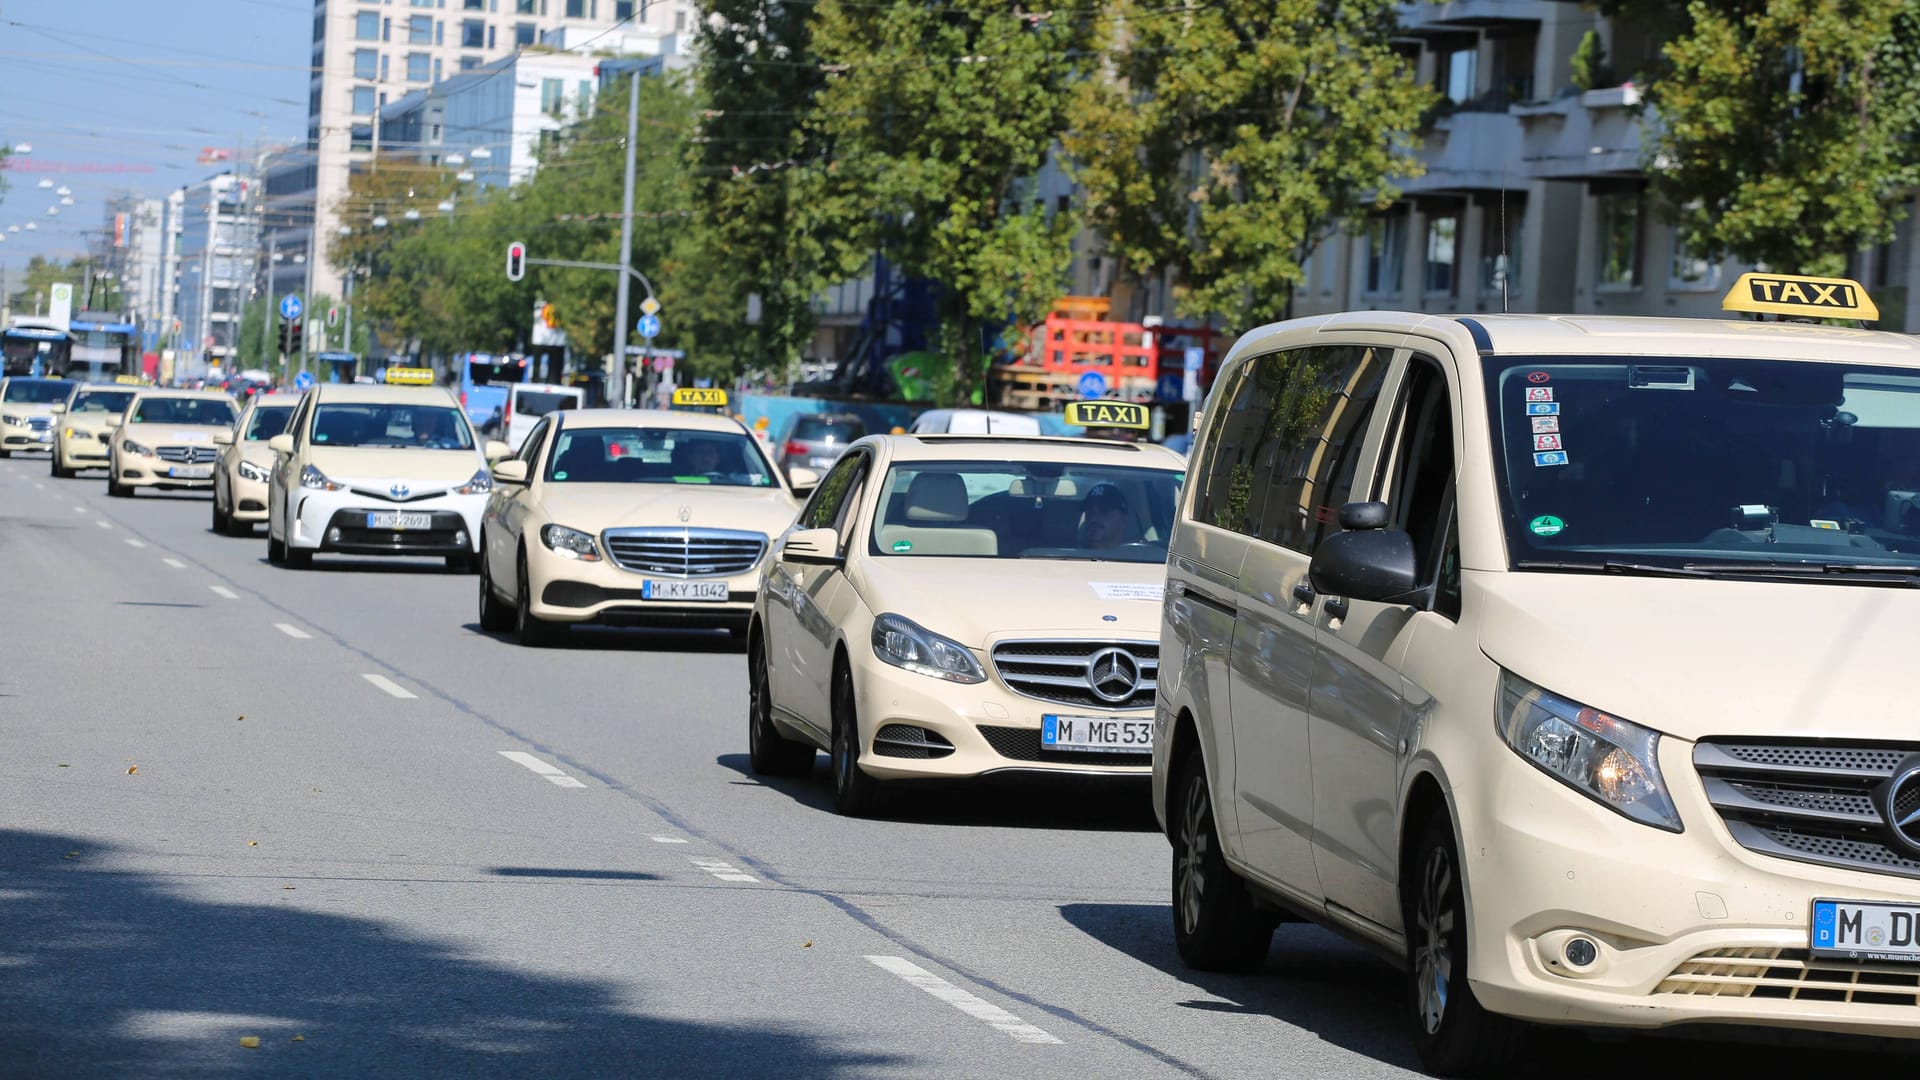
<point x="36" y="391"/>
<point x="267" y="423"/>
<point x="1703" y="462"/>
<point x="817" y="429"/>
<point x="1026" y="510"/>
<point x="391" y="425"/>
<point x="206" y="412"/>
<point x="657" y="455"/>
<point x="101" y="401"/>
<point x="542" y="402"/>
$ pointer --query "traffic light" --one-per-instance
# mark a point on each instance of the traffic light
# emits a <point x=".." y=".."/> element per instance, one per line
<point x="290" y="332"/>
<point x="516" y="261"/>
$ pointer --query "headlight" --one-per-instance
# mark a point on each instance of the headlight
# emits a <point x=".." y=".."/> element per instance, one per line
<point x="481" y="483"/>
<point x="130" y="447"/>
<point x="1611" y="761"/>
<point x="250" y="471"/>
<point x="75" y="433"/>
<point x="904" y="643"/>
<point x="570" y="543"/>
<point x="16" y="421"/>
<point x="313" y="478"/>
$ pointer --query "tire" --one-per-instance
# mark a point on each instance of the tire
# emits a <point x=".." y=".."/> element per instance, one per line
<point x="298" y="558"/>
<point x="1216" y="926"/>
<point x="1453" y="1034"/>
<point x="116" y="490"/>
<point x="855" y="794"/>
<point x="769" y="752"/>
<point x="221" y="521"/>
<point x="495" y="615"/>
<point x="276" y="550"/>
<point x="238" y="528"/>
<point x="59" y="473"/>
<point x="533" y="631"/>
<point x="5" y="454"/>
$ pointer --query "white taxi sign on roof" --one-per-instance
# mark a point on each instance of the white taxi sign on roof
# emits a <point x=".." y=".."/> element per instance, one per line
<point x="1787" y="294"/>
<point x="1113" y="414"/>
<point x="700" y="396"/>
<point x="410" y="376"/>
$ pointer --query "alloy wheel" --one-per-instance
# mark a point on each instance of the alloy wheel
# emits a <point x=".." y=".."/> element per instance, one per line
<point x="1433" y="924"/>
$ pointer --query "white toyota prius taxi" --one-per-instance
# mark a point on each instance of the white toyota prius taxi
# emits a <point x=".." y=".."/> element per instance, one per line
<point x="1562" y="660"/>
<point x="378" y="470"/>
<point x="629" y="517"/>
<point x="954" y="606"/>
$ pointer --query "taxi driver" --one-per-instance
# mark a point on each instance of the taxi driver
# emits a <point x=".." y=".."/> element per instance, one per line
<point x="1106" y="521"/>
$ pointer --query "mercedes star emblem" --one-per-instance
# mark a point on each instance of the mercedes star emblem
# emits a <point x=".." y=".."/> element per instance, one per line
<point x="1898" y="801"/>
<point x="686" y="512"/>
<point x="1112" y="675"/>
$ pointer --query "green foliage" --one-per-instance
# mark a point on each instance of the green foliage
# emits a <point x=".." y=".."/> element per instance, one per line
<point x="1235" y="135"/>
<point x="1589" y="65"/>
<point x="932" y="126"/>
<point x="41" y="274"/>
<point x="1785" y="130"/>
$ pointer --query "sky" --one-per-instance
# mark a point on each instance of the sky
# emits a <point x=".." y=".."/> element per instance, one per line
<point x="139" y="85"/>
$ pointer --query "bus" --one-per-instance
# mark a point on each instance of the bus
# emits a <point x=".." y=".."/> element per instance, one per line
<point x="484" y="379"/>
<point x="103" y="349"/>
<point x="336" y="367"/>
<point x="34" y="347"/>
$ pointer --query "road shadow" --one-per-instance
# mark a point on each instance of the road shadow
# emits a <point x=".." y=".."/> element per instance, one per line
<point x="629" y="639"/>
<point x="1348" y="996"/>
<point x="112" y="974"/>
<point x="1009" y="802"/>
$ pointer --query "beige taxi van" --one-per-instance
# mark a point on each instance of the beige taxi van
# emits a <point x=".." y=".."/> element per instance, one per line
<point x="1558" y="659"/>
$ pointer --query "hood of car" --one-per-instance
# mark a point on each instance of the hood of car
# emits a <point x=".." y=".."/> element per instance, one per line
<point x="594" y="508"/>
<point x="379" y="467"/>
<point x="255" y="452"/>
<point x="1696" y="658"/>
<point x="173" y="434"/>
<point x="975" y="600"/>
<point x="87" y="421"/>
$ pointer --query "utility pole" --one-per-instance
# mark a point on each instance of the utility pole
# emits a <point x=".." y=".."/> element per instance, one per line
<point x="267" y="353"/>
<point x="618" y="380"/>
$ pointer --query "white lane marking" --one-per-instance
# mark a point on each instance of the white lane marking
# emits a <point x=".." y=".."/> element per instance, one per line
<point x="39" y="485"/>
<point x="79" y="509"/>
<point x="175" y="563"/>
<point x="667" y="839"/>
<point x="389" y="686"/>
<point x="722" y="870"/>
<point x="103" y="524"/>
<point x="222" y="590"/>
<point x="970" y="1004"/>
<point x="131" y="542"/>
<point x="554" y="775"/>
<point x="292" y="631"/>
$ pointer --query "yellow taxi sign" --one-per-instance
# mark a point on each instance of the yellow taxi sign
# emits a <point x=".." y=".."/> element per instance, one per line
<point x="703" y="396"/>
<point x="1113" y="414"/>
<point x="410" y="376"/>
<point x="1790" y="294"/>
<point x="129" y="380"/>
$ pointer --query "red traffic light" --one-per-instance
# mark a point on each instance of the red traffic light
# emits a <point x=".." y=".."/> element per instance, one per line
<point x="516" y="261"/>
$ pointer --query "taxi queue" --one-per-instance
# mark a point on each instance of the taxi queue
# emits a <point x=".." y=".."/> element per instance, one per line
<point x="1382" y="646"/>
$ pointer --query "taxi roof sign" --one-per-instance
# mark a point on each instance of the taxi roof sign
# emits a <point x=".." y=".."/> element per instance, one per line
<point x="410" y="376"/>
<point x="705" y="396"/>
<point x="1790" y="294"/>
<point x="1111" y="414"/>
<point x="129" y="380"/>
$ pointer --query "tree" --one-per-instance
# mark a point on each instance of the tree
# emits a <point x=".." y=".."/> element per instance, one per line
<point x="932" y="125"/>
<point x="36" y="285"/>
<point x="1232" y="137"/>
<point x="1785" y="128"/>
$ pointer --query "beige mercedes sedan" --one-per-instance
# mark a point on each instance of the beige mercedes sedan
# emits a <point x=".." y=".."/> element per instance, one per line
<point x="954" y="606"/>
<point x="84" y="426"/>
<point x="165" y="441"/>
<point x="629" y="517"/>
<point x="246" y="461"/>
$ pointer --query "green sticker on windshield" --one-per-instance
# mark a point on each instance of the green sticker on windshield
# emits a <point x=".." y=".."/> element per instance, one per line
<point x="903" y="545"/>
<point x="1546" y="525"/>
<point x="560" y="475"/>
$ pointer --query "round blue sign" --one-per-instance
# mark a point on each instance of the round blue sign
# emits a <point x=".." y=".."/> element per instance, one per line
<point x="303" y="381"/>
<point x="291" y="307"/>
<point x="1092" y="384"/>
<point x="1171" y="387"/>
<point x="649" y="326"/>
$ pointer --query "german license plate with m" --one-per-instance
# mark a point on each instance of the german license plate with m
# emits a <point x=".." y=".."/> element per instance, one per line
<point x="1096" y="734"/>
<point x="398" y="521"/>
<point x="1866" y="930"/>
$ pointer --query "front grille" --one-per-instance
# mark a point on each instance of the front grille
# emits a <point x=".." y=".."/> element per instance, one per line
<point x="188" y="455"/>
<point x="1793" y="975"/>
<point x="684" y="552"/>
<point x="1056" y="671"/>
<point x="1023" y="744"/>
<point x="1807" y="801"/>
<point x="389" y="496"/>
<point x="40" y="423"/>
<point x="908" y="741"/>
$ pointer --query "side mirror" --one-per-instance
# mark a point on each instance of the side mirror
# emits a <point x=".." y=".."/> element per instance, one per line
<point x="223" y="438"/>
<point x="802" y="479"/>
<point x="495" y="450"/>
<point x="815" y="547"/>
<point x="115" y="419"/>
<point x="60" y="408"/>
<point x="1369" y="564"/>
<point x="1360" y="516"/>
<point x="510" y="472"/>
<point x="281" y="444"/>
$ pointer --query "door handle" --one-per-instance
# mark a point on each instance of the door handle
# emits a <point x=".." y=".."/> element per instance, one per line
<point x="1336" y="607"/>
<point x="1303" y="593"/>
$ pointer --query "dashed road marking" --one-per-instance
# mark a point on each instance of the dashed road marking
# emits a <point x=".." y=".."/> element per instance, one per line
<point x="723" y="870"/>
<point x="175" y="563"/>
<point x="553" y="774"/>
<point x="668" y="839"/>
<point x="40" y="486"/>
<point x="222" y="590"/>
<point x="972" y="1005"/>
<point x="293" y="631"/>
<point x="131" y="542"/>
<point x="79" y="509"/>
<point x="103" y="523"/>
<point x="389" y="686"/>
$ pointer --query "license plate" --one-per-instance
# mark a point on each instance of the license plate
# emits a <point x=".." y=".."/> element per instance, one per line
<point x="45" y="436"/>
<point x="1101" y="733"/>
<point x="399" y="521"/>
<point x="1866" y="930"/>
<point x="190" y="472"/>
<point x="683" y="590"/>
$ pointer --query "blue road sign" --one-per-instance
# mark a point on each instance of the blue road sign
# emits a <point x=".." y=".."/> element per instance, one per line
<point x="291" y="307"/>
<point x="1171" y="387"/>
<point x="649" y="326"/>
<point x="1196" y="358"/>
<point x="304" y="380"/>
<point x="1092" y="384"/>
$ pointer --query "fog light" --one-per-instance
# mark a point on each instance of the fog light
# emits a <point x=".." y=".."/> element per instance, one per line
<point x="460" y="538"/>
<point x="1580" y="952"/>
<point x="333" y="536"/>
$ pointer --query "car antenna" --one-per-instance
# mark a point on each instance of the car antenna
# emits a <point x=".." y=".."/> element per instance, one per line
<point x="1506" y="263"/>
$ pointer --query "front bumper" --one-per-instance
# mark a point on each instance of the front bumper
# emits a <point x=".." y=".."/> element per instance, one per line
<point x="1692" y="928"/>
<point x="571" y="591"/>
<point x="249" y="498"/>
<point x="133" y="470"/>
<point x="17" y="437"/>
<point x="336" y="521"/>
<point x="84" y="450"/>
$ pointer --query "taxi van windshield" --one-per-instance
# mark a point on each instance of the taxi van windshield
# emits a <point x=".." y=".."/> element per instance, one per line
<point x="36" y="391"/>
<point x="1639" y="464"/>
<point x="206" y="412"/>
<point x="101" y="401"/>
<point x="648" y="455"/>
<point x="391" y="425"/>
<point x="1026" y="510"/>
<point x="267" y="423"/>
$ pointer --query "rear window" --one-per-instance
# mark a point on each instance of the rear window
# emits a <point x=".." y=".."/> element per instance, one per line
<point x="811" y="429"/>
<point x="542" y="402"/>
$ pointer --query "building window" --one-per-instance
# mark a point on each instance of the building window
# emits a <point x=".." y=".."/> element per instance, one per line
<point x="623" y="9"/>
<point x="585" y="100"/>
<point x="1443" y="254"/>
<point x="552" y="96"/>
<point x="489" y="37"/>
<point x="1500" y="246"/>
<point x="422" y="3"/>
<point x="366" y="26"/>
<point x="420" y="30"/>
<point x="468" y="63"/>
<point x="523" y="34"/>
<point x="1688" y="271"/>
<point x="419" y="67"/>
<point x="363" y="101"/>
<point x="523" y="7"/>
<point x="473" y="34"/>
<point x="383" y="67"/>
<point x="1457" y="73"/>
<point x="366" y="64"/>
<point x="436" y="69"/>
<point x="474" y="5"/>
<point x="679" y="22"/>
<point x="1619" y="240"/>
<point x="576" y="9"/>
<point x="1386" y="245"/>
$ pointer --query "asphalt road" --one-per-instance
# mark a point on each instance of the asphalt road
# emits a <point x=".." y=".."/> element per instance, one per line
<point x="323" y="810"/>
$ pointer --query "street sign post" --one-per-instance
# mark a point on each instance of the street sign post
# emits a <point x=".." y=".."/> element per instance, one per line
<point x="649" y="326"/>
<point x="303" y="381"/>
<point x="291" y="307"/>
<point x="1092" y="384"/>
<point x="649" y="306"/>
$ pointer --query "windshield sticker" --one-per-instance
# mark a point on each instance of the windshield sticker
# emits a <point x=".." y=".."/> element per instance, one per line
<point x="1543" y="408"/>
<point x="1551" y="457"/>
<point x="561" y="475"/>
<point x="903" y="545"/>
<point x="1539" y="393"/>
<point x="1122" y="590"/>
<point x="1547" y="442"/>
<point x="1546" y="525"/>
<point x="1538" y="377"/>
<point x="1824" y="523"/>
<point x="1544" y="424"/>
